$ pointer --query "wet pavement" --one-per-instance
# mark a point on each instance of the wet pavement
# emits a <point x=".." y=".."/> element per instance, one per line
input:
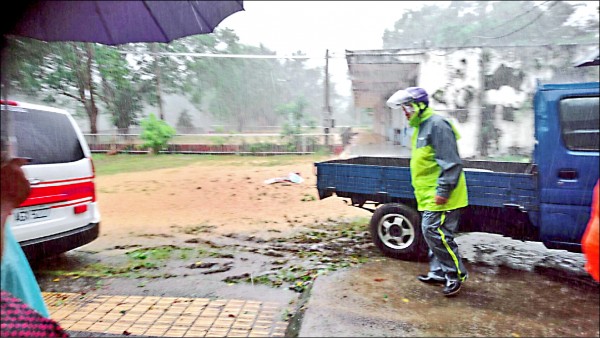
<point x="384" y="299"/>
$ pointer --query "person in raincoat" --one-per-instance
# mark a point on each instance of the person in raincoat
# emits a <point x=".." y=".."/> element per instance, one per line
<point x="439" y="185"/>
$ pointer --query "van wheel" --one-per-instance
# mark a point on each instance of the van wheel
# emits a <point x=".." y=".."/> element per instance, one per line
<point x="396" y="232"/>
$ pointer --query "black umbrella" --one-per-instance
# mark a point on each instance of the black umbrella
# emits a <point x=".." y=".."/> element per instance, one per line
<point x="118" y="22"/>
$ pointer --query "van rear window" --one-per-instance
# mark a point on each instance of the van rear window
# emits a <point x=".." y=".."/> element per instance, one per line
<point x="46" y="137"/>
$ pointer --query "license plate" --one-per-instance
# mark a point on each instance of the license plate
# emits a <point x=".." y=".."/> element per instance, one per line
<point x="24" y="216"/>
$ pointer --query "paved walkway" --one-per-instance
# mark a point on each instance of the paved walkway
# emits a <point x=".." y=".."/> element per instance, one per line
<point x="165" y="316"/>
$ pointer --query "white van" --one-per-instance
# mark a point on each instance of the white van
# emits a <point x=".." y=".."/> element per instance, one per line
<point x="61" y="213"/>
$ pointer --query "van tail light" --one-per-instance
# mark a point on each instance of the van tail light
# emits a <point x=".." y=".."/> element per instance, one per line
<point x="80" y="209"/>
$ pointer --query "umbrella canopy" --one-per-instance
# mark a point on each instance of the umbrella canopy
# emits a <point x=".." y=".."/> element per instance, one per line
<point x="118" y="22"/>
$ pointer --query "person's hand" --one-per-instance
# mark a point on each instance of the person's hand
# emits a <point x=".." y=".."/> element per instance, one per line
<point x="14" y="187"/>
<point x="440" y="200"/>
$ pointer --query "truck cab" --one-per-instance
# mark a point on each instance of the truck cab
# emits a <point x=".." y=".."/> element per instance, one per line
<point x="566" y="154"/>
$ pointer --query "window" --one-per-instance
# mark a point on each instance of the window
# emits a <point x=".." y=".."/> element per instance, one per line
<point x="580" y="123"/>
<point x="46" y="137"/>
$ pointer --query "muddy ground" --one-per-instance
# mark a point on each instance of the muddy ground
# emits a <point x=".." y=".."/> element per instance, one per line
<point x="209" y="230"/>
<point x="219" y="231"/>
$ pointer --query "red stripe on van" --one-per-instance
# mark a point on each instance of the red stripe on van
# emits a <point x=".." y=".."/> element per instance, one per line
<point x="60" y="193"/>
<point x="68" y="180"/>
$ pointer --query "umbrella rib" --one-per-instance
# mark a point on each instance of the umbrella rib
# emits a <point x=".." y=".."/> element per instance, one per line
<point x="156" y="21"/>
<point x="196" y="14"/>
<point x="104" y="22"/>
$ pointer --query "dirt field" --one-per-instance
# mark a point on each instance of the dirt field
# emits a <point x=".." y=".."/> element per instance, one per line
<point x="230" y="198"/>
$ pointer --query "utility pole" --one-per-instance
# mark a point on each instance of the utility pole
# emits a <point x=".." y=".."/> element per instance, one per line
<point x="327" y="122"/>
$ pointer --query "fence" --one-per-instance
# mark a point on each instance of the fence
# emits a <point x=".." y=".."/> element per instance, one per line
<point x="240" y="144"/>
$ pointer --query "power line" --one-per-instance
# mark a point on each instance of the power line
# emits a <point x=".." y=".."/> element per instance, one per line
<point x="518" y="16"/>
<point x="518" y="29"/>
<point x="238" y="56"/>
<point x="467" y="41"/>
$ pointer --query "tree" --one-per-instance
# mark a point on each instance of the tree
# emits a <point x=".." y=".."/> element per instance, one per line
<point x="184" y="122"/>
<point x="294" y="117"/>
<point x="63" y="69"/>
<point x="119" y="80"/>
<point x="122" y="89"/>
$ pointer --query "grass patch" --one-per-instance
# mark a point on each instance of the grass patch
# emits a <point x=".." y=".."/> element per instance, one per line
<point x="156" y="253"/>
<point x="141" y="263"/>
<point x="124" y="163"/>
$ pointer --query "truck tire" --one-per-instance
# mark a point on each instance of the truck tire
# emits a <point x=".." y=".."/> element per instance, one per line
<point x="396" y="232"/>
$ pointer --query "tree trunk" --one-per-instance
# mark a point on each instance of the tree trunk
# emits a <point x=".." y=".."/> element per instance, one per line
<point x="84" y="83"/>
<point x="158" y="89"/>
<point x="93" y="111"/>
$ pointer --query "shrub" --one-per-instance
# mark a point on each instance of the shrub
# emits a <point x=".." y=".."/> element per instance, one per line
<point x="156" y="133"/>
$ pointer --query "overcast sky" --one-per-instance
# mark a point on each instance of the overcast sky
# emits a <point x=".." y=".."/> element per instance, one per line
<point x="314" y="26"/>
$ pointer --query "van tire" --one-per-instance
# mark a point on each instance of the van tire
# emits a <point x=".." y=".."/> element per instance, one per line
<point x="396" y="231"/>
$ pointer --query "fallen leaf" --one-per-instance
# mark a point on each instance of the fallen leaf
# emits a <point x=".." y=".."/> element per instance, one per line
<point x="56" y="280"/>
<point x="379" y="279"/>
<point x="515" y="334"/>
<point x="405" y="300"/>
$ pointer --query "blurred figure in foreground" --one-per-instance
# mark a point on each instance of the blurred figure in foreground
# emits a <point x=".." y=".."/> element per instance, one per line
<point x="22" y="309"/>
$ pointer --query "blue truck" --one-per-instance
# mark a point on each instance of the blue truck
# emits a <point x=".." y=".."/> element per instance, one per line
<point x="547" y="200"/>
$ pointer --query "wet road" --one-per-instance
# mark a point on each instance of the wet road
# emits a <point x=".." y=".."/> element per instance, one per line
<point x="384" y="299"/>
<point x="514" y="289"/>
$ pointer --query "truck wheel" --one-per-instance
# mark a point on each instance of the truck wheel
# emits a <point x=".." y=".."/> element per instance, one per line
<point x="396" y="232"/>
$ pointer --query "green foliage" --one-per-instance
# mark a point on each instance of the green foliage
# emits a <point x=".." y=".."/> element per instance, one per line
<point x="156" y="133"/>
<point x="122" y="91"/>
<point x="261" y="147"/>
